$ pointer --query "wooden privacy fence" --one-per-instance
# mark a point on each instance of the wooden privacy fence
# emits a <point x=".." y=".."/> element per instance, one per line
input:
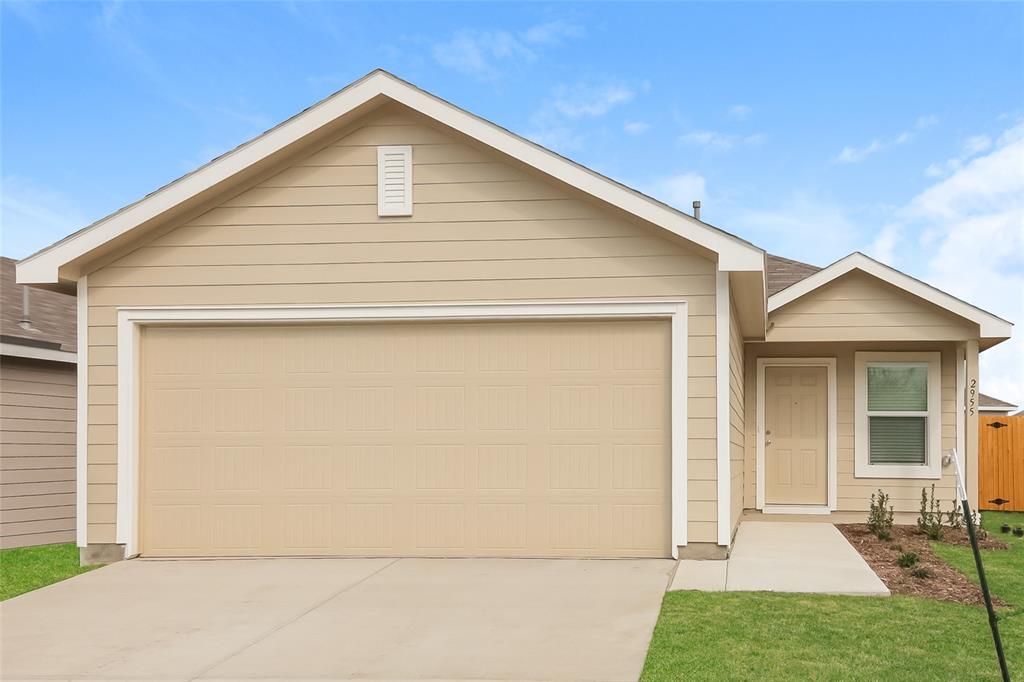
<point x="1001" y="462"/>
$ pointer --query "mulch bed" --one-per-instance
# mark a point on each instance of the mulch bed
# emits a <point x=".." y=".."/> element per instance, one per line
<point x="944" y="583"/>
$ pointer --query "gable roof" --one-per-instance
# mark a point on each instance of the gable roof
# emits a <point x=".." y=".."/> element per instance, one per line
<point x="987" y="402"/>
<point x="782" y="272"/>
<point x="49" y="265"/>
<point x="51" y="313"/>
<point x="991" y="326"/>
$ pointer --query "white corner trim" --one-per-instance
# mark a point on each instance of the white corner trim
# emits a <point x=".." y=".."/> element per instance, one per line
<point x="961" y="397"/>
<point x="991" y="326"/>
<point x="733" y="252"/>
<point x="863" y="468"/>
<point x="722" y="449"/>
<point x="82" y="416"/>
<point x="16" y="350"/>
<point x="833" y="436"/>
<point x="131" y="320"/>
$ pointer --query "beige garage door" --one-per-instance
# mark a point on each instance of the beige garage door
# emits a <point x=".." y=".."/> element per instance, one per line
<point x="540" y="439"/>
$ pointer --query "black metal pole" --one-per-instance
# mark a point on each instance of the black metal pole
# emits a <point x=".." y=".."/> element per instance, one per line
<point x="993" y="622"/>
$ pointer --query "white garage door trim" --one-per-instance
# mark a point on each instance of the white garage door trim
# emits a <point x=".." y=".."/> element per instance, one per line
<point x="129" y="321"/>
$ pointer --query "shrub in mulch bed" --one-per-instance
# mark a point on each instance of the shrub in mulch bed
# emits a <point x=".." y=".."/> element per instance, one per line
<point x="930" y="576"/>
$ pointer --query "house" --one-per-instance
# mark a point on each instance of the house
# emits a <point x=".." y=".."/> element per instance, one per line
<point x="389" y="327"/>
<point x="37" y="413"/>
<point x="994" y="407"/>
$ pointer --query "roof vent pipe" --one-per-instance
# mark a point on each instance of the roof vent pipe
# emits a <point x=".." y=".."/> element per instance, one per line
<point x="26" y="321"/>
<point x="696" y="210"/>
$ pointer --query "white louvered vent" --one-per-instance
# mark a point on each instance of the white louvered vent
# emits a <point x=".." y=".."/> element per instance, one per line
<point x="394" y="180"/>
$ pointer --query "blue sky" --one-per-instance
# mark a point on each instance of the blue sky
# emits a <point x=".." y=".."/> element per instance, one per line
<point x="811" y="129"/>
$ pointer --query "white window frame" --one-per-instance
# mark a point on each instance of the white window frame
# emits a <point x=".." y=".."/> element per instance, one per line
<point x="932" y="468"/>
<point x="130" y="322"/>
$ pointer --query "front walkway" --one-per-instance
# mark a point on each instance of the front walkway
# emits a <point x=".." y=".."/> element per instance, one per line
<point x="784" y="557"/>
<point x="371" y="619"/>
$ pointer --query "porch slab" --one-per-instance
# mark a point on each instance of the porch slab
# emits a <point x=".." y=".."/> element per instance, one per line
<point x="798" y="557"/>
<point x="701" y="575"/>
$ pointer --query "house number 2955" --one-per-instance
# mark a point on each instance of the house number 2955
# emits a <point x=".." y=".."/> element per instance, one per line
<point x="972" y="395"/>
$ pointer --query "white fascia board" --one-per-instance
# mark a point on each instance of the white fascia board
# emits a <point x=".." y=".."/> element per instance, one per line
<point x="16" y="350"/>
<point x="734" y="253"/>
<point x="991" y="326"/>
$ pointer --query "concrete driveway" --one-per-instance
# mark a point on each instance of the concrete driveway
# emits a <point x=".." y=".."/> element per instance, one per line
<point x="381" y="619"/>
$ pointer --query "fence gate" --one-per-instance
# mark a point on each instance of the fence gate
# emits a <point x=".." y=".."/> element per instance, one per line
<point x="1001" y="462"/>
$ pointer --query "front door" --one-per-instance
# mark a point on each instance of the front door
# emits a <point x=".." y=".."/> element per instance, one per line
<point x="796" y="436"/>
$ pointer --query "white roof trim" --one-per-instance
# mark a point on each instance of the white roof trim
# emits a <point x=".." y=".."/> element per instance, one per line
<point x="991" y="325"/>
<point x="16" y="350"/>
<point x="734" y="253"/>
<point x="1002" y="409"/>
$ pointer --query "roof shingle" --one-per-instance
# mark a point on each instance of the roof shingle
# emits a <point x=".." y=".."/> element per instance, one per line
<point x="53" y="314"/>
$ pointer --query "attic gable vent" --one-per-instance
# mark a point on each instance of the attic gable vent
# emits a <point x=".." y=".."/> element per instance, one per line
<point x="394" y="180"/>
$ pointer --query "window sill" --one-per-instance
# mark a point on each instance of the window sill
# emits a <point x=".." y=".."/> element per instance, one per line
<point x="897" y="471"/>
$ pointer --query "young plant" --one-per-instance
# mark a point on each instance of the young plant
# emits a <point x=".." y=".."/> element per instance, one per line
<point x="930" y="520"/>
<point x="956" y="516"/>
<point x="921" y="572"/>
<point x="880" y="516"/>
<point x="907" y="559"/>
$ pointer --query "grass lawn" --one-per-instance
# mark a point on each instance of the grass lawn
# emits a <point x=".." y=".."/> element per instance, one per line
<point x="744" y="635"/>
<point x="28" y="568"/>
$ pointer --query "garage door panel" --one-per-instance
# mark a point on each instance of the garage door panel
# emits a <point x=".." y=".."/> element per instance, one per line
<point x="441" y="439"/>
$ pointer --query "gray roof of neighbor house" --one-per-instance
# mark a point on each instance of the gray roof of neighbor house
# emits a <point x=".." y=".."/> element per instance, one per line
<point x="782" y="272"/>
<point x="988" y="401"/>
<point x="52" y="314"/>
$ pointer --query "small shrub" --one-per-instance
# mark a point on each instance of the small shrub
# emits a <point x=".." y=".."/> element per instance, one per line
<point x="907" y="559"/>
<point x="1018" y="532"/>
<point x="921" y="572"/>
<point x="955" y="517"/>
<point x="930" y="520"/>
<point x="880" y="516"/>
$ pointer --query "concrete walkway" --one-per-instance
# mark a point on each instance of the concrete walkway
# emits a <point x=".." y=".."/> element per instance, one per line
<point x="784" y="557"/>
<point x="380" y="619"/>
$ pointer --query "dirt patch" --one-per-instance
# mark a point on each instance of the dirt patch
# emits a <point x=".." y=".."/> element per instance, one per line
<point x="943" y="582"/>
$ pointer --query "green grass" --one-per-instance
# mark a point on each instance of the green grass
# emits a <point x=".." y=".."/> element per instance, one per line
<point x="28" y="568"/>
<point x="765" y="636"/>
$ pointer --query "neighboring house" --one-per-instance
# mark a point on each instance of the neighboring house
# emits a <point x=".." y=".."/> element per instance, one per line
<point x="37" y="413"/>
<point x="993" y="407"/>
<point x="389" y="327"/>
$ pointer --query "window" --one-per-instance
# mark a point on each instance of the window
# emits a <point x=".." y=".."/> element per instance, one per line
<point x="898" y="415"/>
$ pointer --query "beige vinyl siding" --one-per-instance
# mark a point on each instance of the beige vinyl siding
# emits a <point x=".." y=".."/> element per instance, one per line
<point x="483" y="229"/>
<point x="37" y="452"/>
<point x="860" y="307"/>
<point x="854" y="494"/>
<point x="736" y="418"/>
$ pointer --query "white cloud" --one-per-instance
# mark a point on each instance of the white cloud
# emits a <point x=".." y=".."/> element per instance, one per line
<point x="679" y="190"/>
<point x="590" y="99"/>
<point x="33" y="216"/>
<point x="793" y="226"/>
<point x="559" y="138"/>
<point x="858" y="154"/>
<point x="852" y="154"/>
<point x="479" y="53"/>
<point x="883" y="248"/>
<point x="977" y="144"/>
<point x="739" y="112"/>
<point x="636" y="127"/>
<point x="967" y="232"/>
<point x="712" y="139"/>
<point x="552" y="33"/>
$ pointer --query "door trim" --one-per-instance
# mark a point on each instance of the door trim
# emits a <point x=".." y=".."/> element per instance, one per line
<point x="832" y="439"/>
<point x="131" y="320"/>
